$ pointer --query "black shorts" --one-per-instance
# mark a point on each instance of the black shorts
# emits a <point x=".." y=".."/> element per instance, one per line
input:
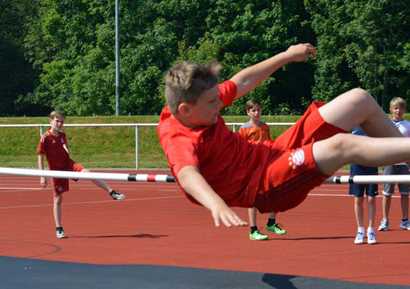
<point x="358" y="190"/>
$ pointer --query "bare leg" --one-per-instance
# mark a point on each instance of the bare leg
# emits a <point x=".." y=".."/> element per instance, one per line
<point x="103" y="185"/>
<point x="386" y="207"/>
<point x="57" y="209"/>
<point x="252" y="217"/>
<point x="371" y="206"/>
<point x="358" y="211"/>
<point x="357" y="108"/>
<point x="100" y="183"/>
<point x="333" y="153"/>
<point x="405" y="206"/>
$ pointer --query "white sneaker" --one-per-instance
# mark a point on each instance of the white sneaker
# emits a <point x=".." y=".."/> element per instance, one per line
<point x="117" y="196"/>
<point x="405" y="225"/>
<point x="60" y="233"/>
<point x="359" y="238"/>
<point x="384" y="225"/>
<point x="371" y="237"/>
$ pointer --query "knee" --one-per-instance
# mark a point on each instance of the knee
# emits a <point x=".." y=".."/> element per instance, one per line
<point x="58" y="200"/>
<point x="360" y="92"/>
<point x="359" y="200"/>
<point x="361" y="96"/>
<point x="340" y="145"/>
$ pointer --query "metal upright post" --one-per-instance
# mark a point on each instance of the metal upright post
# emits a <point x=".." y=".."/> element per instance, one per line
<point x="117" y="58"/>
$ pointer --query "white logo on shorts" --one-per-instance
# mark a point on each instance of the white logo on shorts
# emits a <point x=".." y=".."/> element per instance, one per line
<point x="296" y="158"/>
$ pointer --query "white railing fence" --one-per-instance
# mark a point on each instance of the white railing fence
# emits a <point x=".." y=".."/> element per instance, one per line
<point x="42" y="127"/>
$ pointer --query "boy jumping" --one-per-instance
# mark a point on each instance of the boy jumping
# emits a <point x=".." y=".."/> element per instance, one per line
<point x="218" y="169"/>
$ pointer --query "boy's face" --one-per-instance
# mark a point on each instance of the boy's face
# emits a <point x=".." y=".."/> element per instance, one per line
<point x="205" y="111"/>
<point x="57" y="124"/>
<point x="254" y="113"/>
<point x="397" y="111"/>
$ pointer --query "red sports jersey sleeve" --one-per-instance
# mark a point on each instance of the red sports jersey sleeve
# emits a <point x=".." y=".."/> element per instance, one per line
<point x="227" y="92"/>
<point x="181" y="152"/>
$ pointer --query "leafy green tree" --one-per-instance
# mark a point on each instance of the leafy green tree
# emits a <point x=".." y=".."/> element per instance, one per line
<point x="70" y="44"/>
<point x="17" y="77"/>
<point x="249" y="32"/>
<point x="361" y="43"/>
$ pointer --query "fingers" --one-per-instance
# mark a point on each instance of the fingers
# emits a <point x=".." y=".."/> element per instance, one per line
<point x="311" y="50"/>
<point x="303" y="51"/>
<point x="228" y="219"/>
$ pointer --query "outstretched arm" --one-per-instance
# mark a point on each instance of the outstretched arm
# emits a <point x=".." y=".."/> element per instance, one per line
<point x="250" y="77"/>
<point x="194" y="184"/>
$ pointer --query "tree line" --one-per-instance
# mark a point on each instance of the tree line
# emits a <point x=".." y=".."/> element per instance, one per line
<point x="60" y="53"/>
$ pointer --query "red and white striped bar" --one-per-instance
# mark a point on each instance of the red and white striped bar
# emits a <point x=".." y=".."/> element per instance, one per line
<point x="89" y="175"/>
<point x="371" y="179"/>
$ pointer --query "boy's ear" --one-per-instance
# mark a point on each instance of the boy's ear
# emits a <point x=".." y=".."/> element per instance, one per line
<point x="184" y="109"/>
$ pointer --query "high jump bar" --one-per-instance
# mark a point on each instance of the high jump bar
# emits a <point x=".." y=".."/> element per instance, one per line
<point x="88" y="175"/>
<point x="363" y="179"/>
<point x="371" y="179"/>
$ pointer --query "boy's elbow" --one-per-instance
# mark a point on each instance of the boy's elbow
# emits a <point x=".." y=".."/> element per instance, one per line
<point x="187" y="177"/>
<point x="185" y="173"/>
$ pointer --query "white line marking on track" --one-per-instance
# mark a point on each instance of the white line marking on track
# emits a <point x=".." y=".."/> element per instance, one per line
<point x="339" y="195"/>
<point x="21" y="189"/>
<point x="87" y="203"/>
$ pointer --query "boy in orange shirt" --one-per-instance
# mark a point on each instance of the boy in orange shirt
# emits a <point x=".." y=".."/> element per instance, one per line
<point x="257" y="131"/>
<point x="218" y="169"/>
<point x="53" y="145"/>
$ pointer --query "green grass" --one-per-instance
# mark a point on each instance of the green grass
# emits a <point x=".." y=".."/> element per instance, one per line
<point x="98" y="147"/>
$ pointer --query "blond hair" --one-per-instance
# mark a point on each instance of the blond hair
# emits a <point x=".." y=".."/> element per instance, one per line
<point x="55" y="114"/>
<point x="186" y="81"/>
<point x="398" y="101"/>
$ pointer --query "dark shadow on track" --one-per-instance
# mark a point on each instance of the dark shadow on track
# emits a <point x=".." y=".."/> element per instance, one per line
<point x="18" y="273"/>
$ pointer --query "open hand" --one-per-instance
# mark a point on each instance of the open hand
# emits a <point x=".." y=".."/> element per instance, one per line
<point x="227" y="216"/>
<point x="302" y="52"/>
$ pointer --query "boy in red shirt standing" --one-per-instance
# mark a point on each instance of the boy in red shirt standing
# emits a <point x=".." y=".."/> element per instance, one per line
<point x="257" y="131"/>
<point x="53" y="145"/>
<point x="218" y="169"/>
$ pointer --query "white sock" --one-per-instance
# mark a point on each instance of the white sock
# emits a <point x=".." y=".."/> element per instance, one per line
<point x="360" y="229"/>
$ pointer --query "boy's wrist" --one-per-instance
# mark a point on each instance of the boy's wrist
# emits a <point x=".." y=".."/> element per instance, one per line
<point x="289" y="56"/>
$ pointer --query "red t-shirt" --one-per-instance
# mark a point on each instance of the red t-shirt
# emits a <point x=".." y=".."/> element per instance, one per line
<point x="231" y="165"/>
<point x="55" y="148"/>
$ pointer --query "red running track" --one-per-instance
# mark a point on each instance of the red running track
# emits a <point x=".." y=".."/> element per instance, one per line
<point x="156" y="225"/>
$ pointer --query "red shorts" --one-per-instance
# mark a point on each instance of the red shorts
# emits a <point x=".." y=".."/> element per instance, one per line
<point x="293" y="172"/>
<point x="62" y="185"/>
